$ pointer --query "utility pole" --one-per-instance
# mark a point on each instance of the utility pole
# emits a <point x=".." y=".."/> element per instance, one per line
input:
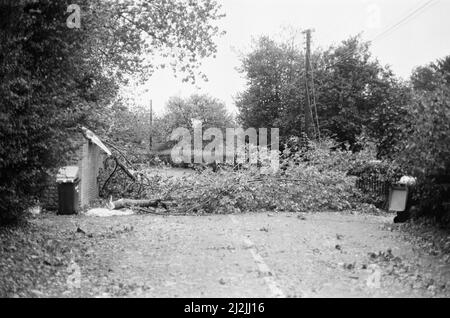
<point x="150" y="139"/>
<point x="307" y="108"/>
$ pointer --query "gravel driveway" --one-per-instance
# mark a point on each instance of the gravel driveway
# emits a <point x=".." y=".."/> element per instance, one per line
<point x="249" y="255"/>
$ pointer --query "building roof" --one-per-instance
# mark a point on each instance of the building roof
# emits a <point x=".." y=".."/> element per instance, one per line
<point x="89" y="135"/>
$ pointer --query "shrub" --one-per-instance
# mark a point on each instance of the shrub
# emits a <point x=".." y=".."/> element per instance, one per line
<point x="426" y="149"/>
<point x="41" y="99"/>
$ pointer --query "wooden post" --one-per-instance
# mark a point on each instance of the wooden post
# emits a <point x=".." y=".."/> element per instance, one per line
<point x="307" y="108"/>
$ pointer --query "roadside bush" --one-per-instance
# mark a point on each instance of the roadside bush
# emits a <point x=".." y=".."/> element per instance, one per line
<point x="426" y="149"/>
<point x="327" y="155"/>
<point x="43" y="98"/>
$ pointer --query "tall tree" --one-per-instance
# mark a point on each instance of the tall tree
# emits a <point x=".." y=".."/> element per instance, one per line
<point x="355" y="93"/>
<point x="352" y="90"/>
<point x="209" y="111"/>
<point x="275" y="87"/>
<point x="430" y="76"/>
<point x="425" y="148"/>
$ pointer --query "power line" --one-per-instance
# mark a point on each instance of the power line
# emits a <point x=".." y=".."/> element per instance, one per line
<point x="413" y="14"/>
<point x="407" y="18"/>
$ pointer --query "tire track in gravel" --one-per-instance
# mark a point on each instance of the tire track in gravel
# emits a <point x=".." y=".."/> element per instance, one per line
<point x="267" y="273"/>
<point x="244" y="255"/>
<point x="189" y="257"/>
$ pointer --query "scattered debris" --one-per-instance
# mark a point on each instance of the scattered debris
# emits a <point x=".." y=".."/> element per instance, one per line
<point x="79" y="230"/>
<point x="126" y="203"/>
<point x="37" y="293"/>
<point x="217" y="248"/>
<point x="374" y="278"/>
<point x="36" y="210"/>
<point x="264" y="229"/>
<point x="339" y="236"/>
<point x="384" y="256"/>
<point x="349" y="266"/>
<point x="74" y="278"/>
<point x="102" y="212"/>
<point x="301" y="217"/>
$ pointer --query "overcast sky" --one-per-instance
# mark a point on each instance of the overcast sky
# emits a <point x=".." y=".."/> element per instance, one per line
<point x="419" y="40"/>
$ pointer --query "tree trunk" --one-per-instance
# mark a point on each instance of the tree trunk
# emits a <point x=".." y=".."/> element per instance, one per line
<point x="126" y="203"/>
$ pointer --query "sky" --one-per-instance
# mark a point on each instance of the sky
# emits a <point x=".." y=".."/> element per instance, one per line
<point x="421" y="39"/>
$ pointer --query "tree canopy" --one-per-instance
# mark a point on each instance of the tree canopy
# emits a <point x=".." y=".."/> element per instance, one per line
<point x="185" y="112"/>
<point x="353" y="92"/>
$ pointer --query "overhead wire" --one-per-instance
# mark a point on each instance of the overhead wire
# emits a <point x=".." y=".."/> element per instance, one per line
<point x="350" y="52"/>
<point x="413" y="14"/>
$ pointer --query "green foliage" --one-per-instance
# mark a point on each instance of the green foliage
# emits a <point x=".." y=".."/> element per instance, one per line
<point x="44" y="94"/>
<point x="431" y="76"/>
<point x="317" y="182"/>
<point x="354" y="94"/>
<point x="136" y="33"/>
<point x="275" y="87"/>
<point x="211" y="112"/>
<point x="55" y="79"/>
<point x="382" y="170"/>
<point x="327" y="155"/>
<point x="127" y="128"/>
<point x="426" y="143"/>
<point x="426" y="147"/>
<point x="180" y="112"/>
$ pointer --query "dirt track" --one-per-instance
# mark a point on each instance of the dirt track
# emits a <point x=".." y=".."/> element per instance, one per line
<point x="252" y="255"/>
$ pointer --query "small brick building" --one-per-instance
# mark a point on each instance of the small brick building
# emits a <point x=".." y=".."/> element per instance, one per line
<point x="89" y="157"/>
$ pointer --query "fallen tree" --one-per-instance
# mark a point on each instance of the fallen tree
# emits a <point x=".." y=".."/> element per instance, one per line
<point x="129" y="203"/>
<point x="320" y="184"/>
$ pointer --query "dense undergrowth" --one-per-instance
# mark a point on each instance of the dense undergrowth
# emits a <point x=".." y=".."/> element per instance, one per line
<point x="312" y="180"/>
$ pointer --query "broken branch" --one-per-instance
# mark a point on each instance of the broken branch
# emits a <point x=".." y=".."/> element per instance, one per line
<point x="127" y="203"/>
